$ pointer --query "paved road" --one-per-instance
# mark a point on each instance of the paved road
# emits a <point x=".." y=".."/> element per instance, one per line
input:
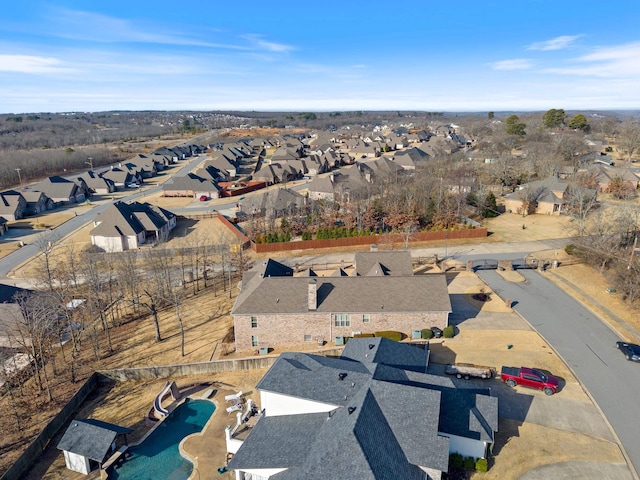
<point x="586" y="344"/>
<point x="30" y="250"/>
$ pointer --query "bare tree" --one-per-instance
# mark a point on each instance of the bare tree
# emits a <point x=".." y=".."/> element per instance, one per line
<point x="580" y="201"/>
<point x="628" y="138"/>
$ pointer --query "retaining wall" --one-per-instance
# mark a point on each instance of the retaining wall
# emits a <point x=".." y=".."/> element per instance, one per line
<point x="33" y="451"/>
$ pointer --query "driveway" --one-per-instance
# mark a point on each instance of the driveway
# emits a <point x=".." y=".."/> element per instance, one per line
<point x="586" y="344"/>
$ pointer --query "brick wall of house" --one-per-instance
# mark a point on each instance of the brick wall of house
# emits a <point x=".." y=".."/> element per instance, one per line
<point x="274" y="330"/>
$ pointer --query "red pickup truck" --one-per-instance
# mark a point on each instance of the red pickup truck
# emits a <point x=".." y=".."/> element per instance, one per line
<point x="529" y="377"/>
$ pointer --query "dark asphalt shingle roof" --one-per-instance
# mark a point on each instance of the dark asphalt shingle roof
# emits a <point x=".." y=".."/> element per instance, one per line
<point x="90" y="438"/>
<point x="379" y="350"/>
<point x="386" y="420"/>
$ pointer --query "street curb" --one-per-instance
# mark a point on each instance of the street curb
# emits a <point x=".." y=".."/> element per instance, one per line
<point x="630" y="466"/>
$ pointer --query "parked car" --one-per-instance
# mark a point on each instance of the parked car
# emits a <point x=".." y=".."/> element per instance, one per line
<point x="132" y="185"/>
<point x="203" y="198"/>
<point x="529" y="377"/>
<point x="631" y="351"/>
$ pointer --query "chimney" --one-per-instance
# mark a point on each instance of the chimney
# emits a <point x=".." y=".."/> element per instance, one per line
<point x="313" y="294"/>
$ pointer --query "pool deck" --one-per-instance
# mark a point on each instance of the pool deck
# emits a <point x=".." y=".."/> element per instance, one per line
<point x="208" y="449"/>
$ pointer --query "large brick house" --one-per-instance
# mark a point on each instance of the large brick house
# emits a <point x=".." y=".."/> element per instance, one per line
<point x="277" y="306"/>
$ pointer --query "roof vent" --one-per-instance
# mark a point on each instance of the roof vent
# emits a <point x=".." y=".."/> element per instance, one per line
<point x="371" y="345"/>
<point x="351" y="410"/>
<point x="277" y="300"/>
<point x="342" y="376"/>
<point x="353" y="384"/>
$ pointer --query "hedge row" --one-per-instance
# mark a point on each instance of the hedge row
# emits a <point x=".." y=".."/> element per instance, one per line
<point x="458" y="461"/>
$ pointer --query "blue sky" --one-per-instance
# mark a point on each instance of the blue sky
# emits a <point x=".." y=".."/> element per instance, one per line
<point x="465" y="55"/>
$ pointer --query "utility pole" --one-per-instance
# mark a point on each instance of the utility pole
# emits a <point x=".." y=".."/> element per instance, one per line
<point x="19" y="177"/>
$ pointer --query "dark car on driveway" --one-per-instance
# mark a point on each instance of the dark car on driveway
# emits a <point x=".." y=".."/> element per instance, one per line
<point x="630" y="350"/>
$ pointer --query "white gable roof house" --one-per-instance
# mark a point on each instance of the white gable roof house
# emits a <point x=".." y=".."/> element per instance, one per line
<point x="371" y="414"/>
<point x="127" y="226"/>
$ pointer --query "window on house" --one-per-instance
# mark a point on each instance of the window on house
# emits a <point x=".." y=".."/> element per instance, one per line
<point x="307" y="338"/>
<point x="254" y="322"/>
<point x="254" y="340"/>
<point x="366" y="318"/>
<point x="342" y="320"/>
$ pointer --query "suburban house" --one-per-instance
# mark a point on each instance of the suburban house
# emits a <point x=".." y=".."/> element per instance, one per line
<point x="273" y="203"/>
<point x="125" y="226"/>
<point x="170" y="153"/>
<point x="410" y="158"/>
<point x="542" y="196"/>
<point x="88" y="443"/>
<point x="121" y="177"/>
<point x="13" y="206"/>
<point x="373" y="413"/>
<point x="276" y="307"/>
<point x="190" y="185"/>
<point x="98" y="185"/>
<point x="37" y="202"/>
<point x="606" y="176"/>
<point x="3" y="226"/>
<point x="61" y="191"/>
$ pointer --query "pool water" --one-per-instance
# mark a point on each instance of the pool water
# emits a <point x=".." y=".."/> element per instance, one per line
<point x="158" y="458"/>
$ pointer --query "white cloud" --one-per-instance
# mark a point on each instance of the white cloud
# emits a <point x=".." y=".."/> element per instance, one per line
<point x="513" y="64"/>
<point x="31" y="64"/>
<point x="619" y="61"/>
<point x="99" y="28"/>
<point x="261" y="44"/>
<point x="558" y="43"/>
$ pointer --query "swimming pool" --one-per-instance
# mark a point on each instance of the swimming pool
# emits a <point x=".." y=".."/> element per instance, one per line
<point x="158" y="457"/>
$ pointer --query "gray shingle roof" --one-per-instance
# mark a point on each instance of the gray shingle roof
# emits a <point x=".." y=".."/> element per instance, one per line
<point x="383" y="351"/>
<point x="386" y="421"/>
<point x="379" y="430"/>
<point x="272" y="295"/>
<point x="90" y="438"/>
<point x="130" y="219"/>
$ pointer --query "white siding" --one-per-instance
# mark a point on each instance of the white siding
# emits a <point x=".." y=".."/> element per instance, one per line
<point x="76" y="462"/>
<point x="276" y="404"/>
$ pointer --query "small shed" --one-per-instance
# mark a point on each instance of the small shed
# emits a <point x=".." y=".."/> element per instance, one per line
<point x="88" y="443"/>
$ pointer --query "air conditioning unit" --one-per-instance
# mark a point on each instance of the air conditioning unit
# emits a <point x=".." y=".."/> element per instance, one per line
<point x="263" y="350"/>
<point x="339" y="340"/>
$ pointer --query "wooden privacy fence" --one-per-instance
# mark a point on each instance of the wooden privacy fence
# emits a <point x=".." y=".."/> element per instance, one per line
<point x="366" y="240"/>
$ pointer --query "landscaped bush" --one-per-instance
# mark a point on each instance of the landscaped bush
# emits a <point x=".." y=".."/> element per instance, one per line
<point x="456" y="460"/>
<point x="482" y="465"/>
<point x="363" y="335"/>
<point x="306" y="235"/>
<point x="449" y="331"/>
<point x="391" y="335"/>
<point x="426" y="333"/>
<point x="470" y="463"/>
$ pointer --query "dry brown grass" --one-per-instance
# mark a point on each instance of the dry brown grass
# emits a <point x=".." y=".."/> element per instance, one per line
<point x="206" y="319"/>
<point x="521" y="447"/>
